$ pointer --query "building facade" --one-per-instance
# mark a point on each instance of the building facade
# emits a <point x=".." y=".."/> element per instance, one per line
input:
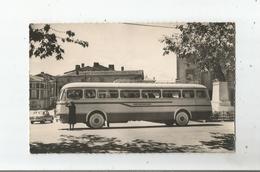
<point x="45" y="88"/>
<point x="97" y="73"/>
<point x="189" y="73"/>
<point x="42" y="91"/>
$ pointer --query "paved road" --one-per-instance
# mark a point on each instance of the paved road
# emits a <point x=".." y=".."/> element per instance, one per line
<point x="133" y="137"/>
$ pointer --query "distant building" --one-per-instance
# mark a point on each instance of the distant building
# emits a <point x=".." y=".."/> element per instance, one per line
<point x="189" y="73"/>
<point x="45" y="88"/>
<point x="98" y="73"/>
<point x="42" y="91"/>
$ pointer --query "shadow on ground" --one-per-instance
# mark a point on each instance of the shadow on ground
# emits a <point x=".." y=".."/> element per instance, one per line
<point x="225" y="141"/>
<point x="96" y="144"/>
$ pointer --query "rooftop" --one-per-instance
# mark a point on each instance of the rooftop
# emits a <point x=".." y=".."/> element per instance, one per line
<point x="96" y="67"/>
<point x="127" y="72"/>
<point x="46" y="76"/>
<point x="36" y="78"/>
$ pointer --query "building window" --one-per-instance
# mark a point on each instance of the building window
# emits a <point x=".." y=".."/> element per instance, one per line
<point x="37" y="85"/>
<point x="130" y="93"/>
<point x="32" y="85"/>
<point x="38" y="94"/>
<point x="95" y="79"/>
<point x="201" y="94"/>
<point x="33" y="94"/>
<point x="171" y="94"/>
<point x="188" y="94"/>
<point x="52" y="91"/>
<point x="151" y="94"/>
<point x="90" y="94"/>
<point x="107" y="94"/>
<point x="42" y="94"/>
<point x="74" y="94"/>
<point x="46" y="94"/>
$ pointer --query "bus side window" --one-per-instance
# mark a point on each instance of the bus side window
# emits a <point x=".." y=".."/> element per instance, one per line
<point x="107" y="94"/>
<point x="188" y="94"/>
<point x="113" y="93"/>
<point x="74" y="94"/>
<point x="90" y="94"/>
<point x="172" y="94"/>
<point x="130" y="94"/>
<point x="151" y="94"/>
<point x="201" y="94"/>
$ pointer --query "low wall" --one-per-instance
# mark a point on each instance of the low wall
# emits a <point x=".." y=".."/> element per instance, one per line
<point x="223" y="116"/>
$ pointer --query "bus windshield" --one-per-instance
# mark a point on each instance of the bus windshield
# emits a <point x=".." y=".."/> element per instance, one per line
<point x="62" y="95"/>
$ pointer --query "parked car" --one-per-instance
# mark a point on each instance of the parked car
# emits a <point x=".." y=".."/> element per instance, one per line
<point x="41" y="116"/>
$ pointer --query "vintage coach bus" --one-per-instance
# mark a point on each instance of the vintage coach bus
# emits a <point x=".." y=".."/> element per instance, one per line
<point x="98" y="103"/>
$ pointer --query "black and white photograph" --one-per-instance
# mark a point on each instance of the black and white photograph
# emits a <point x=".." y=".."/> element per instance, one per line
<point x="132" y="87"/>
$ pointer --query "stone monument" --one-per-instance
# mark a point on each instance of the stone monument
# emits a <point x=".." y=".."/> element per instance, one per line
<point x="220" y="97"/>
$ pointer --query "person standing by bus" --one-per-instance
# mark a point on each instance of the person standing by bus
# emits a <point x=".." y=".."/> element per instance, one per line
<point x="72" y="114"/>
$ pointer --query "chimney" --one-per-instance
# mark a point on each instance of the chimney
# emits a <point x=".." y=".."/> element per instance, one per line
<point x="122" y="68"/>
<point x="82" y="65"/>
<point x="77" y="67"/>
<point x="96" y="64"/>
<point x="111" y="67"/>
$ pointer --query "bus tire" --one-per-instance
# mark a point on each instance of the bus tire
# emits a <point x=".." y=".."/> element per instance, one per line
<point x="96" y="120"/>
<point x="182" y="118"/>
<point x="87" y="124"/>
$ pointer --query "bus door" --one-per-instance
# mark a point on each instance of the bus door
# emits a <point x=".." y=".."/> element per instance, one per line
<point x="203" y="104"/>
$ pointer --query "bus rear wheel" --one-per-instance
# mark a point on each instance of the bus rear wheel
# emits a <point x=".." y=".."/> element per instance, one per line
<point x="96" y="120"/>
<point x="87" y="124"/>
<point x="182" y="118"/>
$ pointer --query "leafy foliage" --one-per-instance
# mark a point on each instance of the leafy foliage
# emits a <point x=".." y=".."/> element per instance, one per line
<point x="44" y="42"/>
<point x="211" y="46"/>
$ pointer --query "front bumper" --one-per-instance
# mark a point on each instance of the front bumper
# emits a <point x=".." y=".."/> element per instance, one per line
<point x="40" y="119"/>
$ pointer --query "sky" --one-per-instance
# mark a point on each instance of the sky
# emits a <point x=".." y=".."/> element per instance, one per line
<point x="135" y="47"/>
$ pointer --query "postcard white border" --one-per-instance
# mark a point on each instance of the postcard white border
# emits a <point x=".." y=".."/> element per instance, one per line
<point x="14" y="133"/>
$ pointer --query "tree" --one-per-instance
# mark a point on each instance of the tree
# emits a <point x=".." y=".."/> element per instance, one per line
<point x="211" y="46"/>
<point x="45" y="41"/>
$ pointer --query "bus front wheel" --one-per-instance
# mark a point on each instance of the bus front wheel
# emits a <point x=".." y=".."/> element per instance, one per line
<point x="182" y="118"/>
<point x="96" y="120"/>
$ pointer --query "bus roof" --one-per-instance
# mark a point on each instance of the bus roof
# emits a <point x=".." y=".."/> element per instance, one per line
<point x="129" y="85"/>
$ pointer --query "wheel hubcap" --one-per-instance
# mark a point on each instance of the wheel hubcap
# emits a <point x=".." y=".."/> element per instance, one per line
<point x="182" y="119"/>
<point x="96" y="121"/>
